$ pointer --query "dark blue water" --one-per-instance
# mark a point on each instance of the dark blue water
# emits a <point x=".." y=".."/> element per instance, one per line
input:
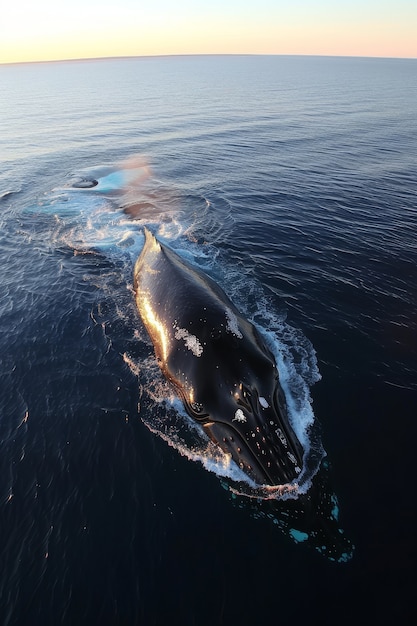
<point x="292" y="182"/>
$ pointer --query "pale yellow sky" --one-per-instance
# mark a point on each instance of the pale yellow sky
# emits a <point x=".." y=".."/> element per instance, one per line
<point x="40" y="30"/>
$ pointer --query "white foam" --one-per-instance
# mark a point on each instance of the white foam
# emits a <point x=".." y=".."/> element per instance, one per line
<point x="293" y="378"/>
<point x="232" y="323"/>
<point x="239" y="416"/>
<point x="191" y="341"/>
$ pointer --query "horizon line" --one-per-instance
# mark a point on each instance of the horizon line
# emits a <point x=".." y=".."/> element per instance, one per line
<point x="206" y="54"/>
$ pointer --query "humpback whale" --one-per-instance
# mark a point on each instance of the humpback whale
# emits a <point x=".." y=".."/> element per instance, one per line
<point x="219" y="364"/>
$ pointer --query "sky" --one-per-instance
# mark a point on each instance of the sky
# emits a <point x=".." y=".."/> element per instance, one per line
<point x="43" y="30"/>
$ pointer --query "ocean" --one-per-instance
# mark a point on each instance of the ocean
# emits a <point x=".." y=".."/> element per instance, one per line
<point x="292" y="183"/>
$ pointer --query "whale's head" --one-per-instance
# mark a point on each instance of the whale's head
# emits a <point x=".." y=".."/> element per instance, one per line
<point x="242" y="407"/>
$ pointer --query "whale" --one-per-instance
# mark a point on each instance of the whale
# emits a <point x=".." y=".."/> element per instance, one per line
<point x="219" y="364"/>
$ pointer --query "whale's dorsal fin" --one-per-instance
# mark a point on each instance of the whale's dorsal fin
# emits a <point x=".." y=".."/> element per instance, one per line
<point x="150" y="239"/>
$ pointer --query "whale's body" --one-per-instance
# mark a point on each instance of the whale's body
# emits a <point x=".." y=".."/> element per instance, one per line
<point x="220" y="365"/>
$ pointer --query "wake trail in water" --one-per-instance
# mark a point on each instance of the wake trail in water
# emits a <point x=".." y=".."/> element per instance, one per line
<point x="103" y="211"/>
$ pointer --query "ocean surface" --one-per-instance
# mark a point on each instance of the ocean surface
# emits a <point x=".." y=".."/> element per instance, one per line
<point x="292" y="182"/>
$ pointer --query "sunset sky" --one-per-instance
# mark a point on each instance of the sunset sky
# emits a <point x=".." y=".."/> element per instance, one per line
<point x="41" y="30"/>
